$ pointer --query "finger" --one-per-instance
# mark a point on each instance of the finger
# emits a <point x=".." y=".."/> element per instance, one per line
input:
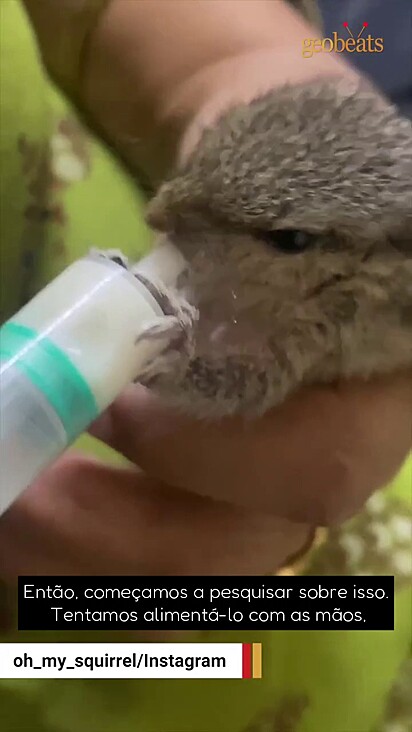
<point x="64" y="25"/>
<point x="82" y="517"/>
<point x="314" y="459"/>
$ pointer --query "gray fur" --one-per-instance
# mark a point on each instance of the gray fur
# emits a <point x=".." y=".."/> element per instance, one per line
<point x="329" y="158"/>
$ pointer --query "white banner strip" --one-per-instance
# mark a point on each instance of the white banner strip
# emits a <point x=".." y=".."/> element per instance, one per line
<point x="123" y="660"/>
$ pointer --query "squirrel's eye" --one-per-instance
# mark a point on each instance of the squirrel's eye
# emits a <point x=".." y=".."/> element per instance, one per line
<point x="290" y="241"/>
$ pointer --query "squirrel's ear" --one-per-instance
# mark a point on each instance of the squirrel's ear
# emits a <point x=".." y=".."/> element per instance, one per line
<point x="158" y="214"/>
<point x="175" y="200"/>
<point x="164" y="206"/>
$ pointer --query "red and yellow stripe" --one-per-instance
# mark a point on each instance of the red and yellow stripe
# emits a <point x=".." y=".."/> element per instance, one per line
<point x="251" y="660"/>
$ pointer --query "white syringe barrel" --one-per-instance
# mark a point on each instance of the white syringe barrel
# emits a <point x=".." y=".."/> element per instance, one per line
<point x="63" y="359"/>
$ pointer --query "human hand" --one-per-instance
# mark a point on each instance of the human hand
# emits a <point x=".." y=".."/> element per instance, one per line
<point x="265" y="484"/>
<point x="85" y="517"/>
<point x="314" y="460"/>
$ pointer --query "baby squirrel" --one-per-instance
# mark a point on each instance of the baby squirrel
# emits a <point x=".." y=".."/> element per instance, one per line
<point x="294" y="213"/>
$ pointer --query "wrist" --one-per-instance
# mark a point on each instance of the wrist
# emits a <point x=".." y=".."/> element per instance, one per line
<point x="151" y="92"/>
<point x="239" y="80"/>
<point x="151" y="75"/>
<point x="156" y="136"/>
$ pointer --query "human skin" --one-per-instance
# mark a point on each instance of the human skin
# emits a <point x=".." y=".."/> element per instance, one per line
<point x="312" y="461"/>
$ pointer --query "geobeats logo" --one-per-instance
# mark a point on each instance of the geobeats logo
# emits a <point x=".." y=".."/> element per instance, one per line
<point x="353" y="44"/>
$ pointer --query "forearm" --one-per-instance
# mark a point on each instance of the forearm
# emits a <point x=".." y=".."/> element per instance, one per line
<point x="152" y="71"/>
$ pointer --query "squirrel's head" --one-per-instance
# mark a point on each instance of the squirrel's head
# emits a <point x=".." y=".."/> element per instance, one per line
<point x="295" y="214"/>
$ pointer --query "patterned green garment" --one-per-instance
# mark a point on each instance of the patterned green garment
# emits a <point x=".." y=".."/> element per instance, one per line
<point x="60" y="193"/>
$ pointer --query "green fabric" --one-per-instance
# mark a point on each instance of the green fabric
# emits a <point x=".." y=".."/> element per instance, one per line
<point x="61" y="192"/>
<point x="19" y="110"/>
